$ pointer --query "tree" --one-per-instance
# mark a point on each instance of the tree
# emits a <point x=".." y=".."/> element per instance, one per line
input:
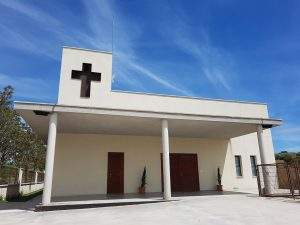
<point x="9" y="127"/>
<point x="288" y="157"/>
<point x="19" y="145"/>
<point x="6" y="97"/>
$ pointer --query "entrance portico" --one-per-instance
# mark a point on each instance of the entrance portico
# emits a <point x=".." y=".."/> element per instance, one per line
<point x="79" y="121"/>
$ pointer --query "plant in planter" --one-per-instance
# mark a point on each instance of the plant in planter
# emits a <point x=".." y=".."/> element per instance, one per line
<point x="219" y="185"/>
<point x="142" y="188"/>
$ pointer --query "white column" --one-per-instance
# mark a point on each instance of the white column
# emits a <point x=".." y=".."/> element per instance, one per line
<point x="20" y="175"/>
<point x="166" y="160"/>
<point x="263" y="157"/>
<point x="50" y="158"/>
<point x="261" y="144"/>
<point x="36" y="177"/>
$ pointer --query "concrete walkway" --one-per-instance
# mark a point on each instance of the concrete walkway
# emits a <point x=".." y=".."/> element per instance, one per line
<point x="210" y="209"/>
<point x="93" y="201"/>
<point x="20" y="206"/>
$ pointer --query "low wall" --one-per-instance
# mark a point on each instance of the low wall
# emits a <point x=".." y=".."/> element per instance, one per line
<point x="3" y="190"/>
<point x="29" y="188"/>
<point x="24" y="189"/>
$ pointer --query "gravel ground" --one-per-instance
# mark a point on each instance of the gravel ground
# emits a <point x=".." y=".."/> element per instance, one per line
<point x="216" y="209"/>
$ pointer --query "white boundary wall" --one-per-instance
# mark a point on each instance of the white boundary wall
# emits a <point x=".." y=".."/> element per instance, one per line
<point x="29" y="188"/>
<point x="24" y="189"/>
<point x="3" y="189"/>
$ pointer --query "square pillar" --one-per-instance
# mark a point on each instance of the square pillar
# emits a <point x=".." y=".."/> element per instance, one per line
<point x="20" y="178"/>
<point x="50" y="159"/>
<point x="166" y="160"/>
<point x="36" y="177"/>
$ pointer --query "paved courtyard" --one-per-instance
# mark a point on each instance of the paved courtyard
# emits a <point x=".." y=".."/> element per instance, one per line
<point x="212" y="209"/>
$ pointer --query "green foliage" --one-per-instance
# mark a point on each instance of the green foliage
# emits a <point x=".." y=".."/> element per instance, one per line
<point x="2" y="198"/>
<point x="219" y="177"/>
<point x="288" y="157"/>
<point x="143" y="181"/>
<point x="8" y="175"/>
<point x="6" y="96"/>
<point x="19" y="146"/>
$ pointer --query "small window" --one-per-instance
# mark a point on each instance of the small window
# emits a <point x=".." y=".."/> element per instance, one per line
<point x="238" y="165"/>
<point x="253" y="165"/>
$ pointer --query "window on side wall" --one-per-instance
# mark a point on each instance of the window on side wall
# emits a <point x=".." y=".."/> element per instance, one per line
<point x="253" y="165"/>
<point x="238" y="165"/>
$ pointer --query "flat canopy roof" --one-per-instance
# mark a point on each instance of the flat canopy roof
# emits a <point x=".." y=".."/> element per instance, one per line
<point x="74" y="119"/>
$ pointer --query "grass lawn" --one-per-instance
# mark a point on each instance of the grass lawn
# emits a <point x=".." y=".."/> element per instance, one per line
<point x="2" y="200"/>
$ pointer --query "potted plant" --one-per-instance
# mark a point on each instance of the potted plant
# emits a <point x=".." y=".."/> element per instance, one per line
<point x="142" y="188"/>
<point x="219" y="185"/>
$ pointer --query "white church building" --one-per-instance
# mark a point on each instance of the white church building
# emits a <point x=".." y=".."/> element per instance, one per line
<point x="99" y="140"/>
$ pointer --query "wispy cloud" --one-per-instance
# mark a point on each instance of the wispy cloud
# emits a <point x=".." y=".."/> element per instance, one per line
<point x="289" y="136"/>
<point x="100" y="17"/>
<point x="27" y="41"/>
<point x="215" y="63"/>
<point x="101" y="14"/>
<point x="55" y="31"/>
<point x="158" y="78"/>
<point x="14" y="39"/>
<point x="31" y="12"/>
<point x="25" y="87"/>
<point x="210" y="59"/>
<point x="288" y="133"/>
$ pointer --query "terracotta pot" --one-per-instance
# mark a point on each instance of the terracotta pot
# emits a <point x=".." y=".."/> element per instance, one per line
<point x="219" y="187"/>
<point x="142" y="190"/>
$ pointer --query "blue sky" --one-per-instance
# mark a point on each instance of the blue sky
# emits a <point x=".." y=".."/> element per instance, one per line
<point x="227" y="49"/>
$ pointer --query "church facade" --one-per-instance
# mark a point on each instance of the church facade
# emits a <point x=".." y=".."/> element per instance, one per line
<point x="99" y="141"/>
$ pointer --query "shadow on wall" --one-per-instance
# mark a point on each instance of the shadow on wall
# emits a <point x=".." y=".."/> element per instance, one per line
<point x="224" y="157"/>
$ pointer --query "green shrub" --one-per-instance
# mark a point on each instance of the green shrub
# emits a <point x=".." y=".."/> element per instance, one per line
<point x="2" y="199"/>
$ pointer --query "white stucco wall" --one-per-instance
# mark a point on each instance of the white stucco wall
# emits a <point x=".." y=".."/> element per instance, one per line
<point x="80" y="166"/>
<point x="245" y="146"/>
<point x="103" y="97"/>
<point x="69" y="89"/>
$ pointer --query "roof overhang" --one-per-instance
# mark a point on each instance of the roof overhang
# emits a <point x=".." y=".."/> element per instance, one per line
<point x="74" y="119"/>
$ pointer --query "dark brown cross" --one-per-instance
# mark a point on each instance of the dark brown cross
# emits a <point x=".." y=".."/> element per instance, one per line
<point x="86" y="76"/>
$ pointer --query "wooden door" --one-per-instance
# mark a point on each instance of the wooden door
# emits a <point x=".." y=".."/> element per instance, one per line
<point x="115" y="173"/>
<point x="175" y="172"/>
<point x="189" y="177"/>
<point x="183" y="172"/>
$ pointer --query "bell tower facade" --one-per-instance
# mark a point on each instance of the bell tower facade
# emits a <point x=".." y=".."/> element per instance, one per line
<point x="85" y="77"/>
